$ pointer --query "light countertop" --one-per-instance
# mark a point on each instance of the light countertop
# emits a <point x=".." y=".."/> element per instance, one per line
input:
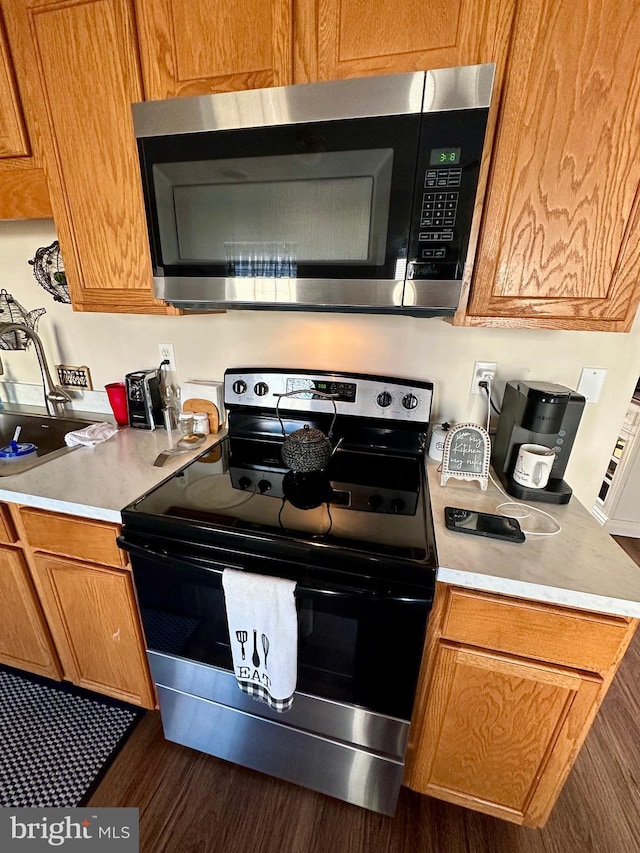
<point x="582" y="566"/>
<point x="98" y="482"/>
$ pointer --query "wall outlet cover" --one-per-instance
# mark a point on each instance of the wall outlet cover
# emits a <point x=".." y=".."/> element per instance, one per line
<point x="591" y="382"/>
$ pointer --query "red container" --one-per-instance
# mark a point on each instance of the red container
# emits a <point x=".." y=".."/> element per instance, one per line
<point x="117" y="393"/>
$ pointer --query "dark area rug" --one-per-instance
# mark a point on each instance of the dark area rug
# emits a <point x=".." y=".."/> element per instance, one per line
<point x="56" y="741"/>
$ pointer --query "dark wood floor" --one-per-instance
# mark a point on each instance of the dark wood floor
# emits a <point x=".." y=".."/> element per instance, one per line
<point x="192" y="802"/>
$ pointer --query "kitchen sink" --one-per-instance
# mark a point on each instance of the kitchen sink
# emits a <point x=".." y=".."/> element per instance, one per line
<point x="46" y="432"/>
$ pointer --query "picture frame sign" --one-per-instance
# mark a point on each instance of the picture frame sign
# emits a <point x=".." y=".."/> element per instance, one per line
<point x="466" y="454"/>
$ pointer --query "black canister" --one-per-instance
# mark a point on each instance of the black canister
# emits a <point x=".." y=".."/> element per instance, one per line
<point x="306" y="450"/>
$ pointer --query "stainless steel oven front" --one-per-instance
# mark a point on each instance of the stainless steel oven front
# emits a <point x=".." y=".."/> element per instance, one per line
<point x="360" y="647"/>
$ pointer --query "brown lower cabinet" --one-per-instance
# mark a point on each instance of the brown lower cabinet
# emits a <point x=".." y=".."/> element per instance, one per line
<point x="92" y="614"/>
<point x="25" y="640"/>
<point x="70" y="607"/>
<point x="508" y="692"/>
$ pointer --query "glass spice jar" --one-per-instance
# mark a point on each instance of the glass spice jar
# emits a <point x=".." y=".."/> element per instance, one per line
<point x="185" y="423"/>
<point x="201" y="423"/>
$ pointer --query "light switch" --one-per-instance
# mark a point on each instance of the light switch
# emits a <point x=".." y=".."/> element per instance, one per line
<point x="591" y="382"/>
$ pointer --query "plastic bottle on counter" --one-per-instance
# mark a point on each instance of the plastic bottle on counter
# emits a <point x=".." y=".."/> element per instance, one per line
<point x="436" y="445"/>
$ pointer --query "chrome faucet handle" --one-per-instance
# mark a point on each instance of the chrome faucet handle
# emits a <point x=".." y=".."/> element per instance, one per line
<point x="59" y="395"/>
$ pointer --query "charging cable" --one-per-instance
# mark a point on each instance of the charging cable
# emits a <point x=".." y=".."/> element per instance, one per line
<point x="486" y="385"/>
<point x="516" y="505"/>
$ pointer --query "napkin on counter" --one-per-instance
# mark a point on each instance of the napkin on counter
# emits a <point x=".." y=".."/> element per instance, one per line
<point x="90" y="435"/>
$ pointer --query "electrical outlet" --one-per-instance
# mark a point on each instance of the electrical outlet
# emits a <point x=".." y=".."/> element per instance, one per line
<point x="165" y="351"/>
<point x="591" y="382"/>
<point x="483" y="371"/>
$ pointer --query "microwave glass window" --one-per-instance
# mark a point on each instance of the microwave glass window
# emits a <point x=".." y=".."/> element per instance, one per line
<point x="262" y="215"/>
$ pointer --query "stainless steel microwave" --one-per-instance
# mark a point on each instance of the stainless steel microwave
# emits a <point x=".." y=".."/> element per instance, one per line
<point x="353" y="195"/>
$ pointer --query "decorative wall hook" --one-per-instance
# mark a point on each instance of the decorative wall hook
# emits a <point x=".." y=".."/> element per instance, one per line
<point x="12" y="312"/>
<point x="48" y="268"/>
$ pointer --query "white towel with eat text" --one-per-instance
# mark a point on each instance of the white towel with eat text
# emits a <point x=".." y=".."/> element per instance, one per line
<point x="263" y="630"/>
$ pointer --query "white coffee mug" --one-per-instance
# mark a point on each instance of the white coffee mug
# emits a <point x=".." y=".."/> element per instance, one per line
<point x="533" y="465"/>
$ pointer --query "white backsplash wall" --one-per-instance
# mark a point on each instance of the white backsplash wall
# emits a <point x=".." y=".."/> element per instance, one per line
<point x="113" y="344"/>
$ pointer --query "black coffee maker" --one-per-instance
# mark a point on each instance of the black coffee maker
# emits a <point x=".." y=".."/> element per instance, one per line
<point x="537" y="413"/>
<point x="144" y="398"/>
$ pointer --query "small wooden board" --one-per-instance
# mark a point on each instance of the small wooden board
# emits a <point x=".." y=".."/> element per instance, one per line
<point x="196" y="404"/>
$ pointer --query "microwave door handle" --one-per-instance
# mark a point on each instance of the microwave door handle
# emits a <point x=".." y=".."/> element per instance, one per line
<point x="301" y="590"/>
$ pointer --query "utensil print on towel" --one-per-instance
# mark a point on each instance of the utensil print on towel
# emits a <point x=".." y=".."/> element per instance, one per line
<point x="256" y="656"/>
<point x="242" y="638"/>
<point x="265" y="648"/>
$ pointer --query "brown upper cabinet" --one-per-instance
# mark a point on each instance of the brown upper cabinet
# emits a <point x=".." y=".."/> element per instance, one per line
<point x="559" y="242"/>
<point x="357" y="38"/>
<point x="556" y="239"/>
<point x="23" y="188"/>
<point x="196" y="47"/>
<point x="13" y="137"/>
<point x="202" y="46"/>
<point x="83" y="60"/>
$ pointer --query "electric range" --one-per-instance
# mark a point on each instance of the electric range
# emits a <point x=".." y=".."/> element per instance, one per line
<point x="356" y="537"/>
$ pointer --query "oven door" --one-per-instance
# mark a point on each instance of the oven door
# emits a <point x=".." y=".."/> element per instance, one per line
<point x="360" y="648"/>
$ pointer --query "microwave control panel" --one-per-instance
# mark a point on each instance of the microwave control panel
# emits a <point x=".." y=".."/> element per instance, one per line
<point x="449" y="158"/>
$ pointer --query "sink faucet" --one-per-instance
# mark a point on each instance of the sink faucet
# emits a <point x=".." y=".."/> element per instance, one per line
<point x="54" y="396"/>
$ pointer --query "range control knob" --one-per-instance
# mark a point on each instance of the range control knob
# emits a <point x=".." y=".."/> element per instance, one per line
<point x="384" y="399"/>
<point x="397" y="505"/>
<point x="375" y="502"/>
<point x="244" y="483"/>
<point x="261" y="388"/>
<point x="409" y="401"/>
<point x="264" y="486"/>
<point x="239" y="386"/>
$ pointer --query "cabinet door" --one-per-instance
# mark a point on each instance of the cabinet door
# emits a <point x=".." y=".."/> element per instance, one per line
<point x="69" y="536"/>
<point x="560" y="237"/>
<point x="13" y="137"/>
<point x="25" y="641"/>
<point x="94" y="620"/>
<point x="195" y="47"/>
<point x="88" y="72"/>
<point x="354" y="38"/>
<point x="23" y="188"/>
<point x="502" y="730"/>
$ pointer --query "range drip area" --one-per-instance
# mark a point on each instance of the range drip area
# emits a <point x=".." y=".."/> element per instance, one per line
<point x="357" y="477"/>
<point x="363" y="502"/>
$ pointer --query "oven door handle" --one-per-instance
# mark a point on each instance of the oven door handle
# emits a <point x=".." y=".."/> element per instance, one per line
<point x="342" y="591"/>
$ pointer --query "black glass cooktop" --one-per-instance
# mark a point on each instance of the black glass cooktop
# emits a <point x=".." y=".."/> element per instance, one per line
<point x="239" y="494"/>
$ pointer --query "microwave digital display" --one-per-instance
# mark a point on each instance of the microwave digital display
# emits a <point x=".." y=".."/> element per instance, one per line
<point x="445" y="156"/>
